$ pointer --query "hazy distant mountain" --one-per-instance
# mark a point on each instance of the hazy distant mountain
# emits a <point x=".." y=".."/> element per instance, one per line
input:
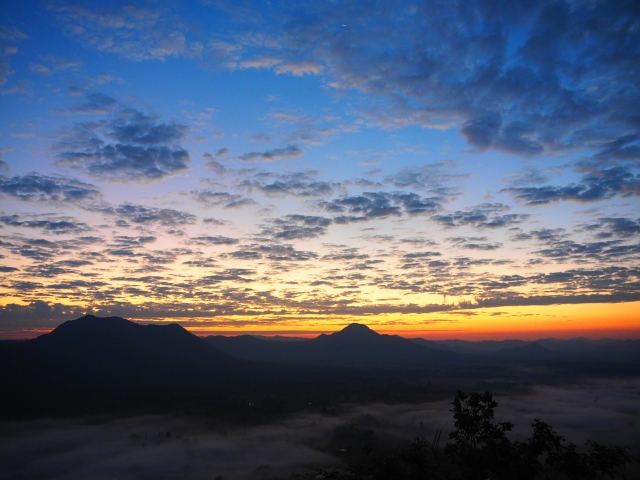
<point x="431" y="344"/>
<point x="280" y="338"/>
<point x="582" y="349"/>
<point x="485" y="346"/>
<point x="356" y="345"/>
<point x="501" y="351"/>
<point x="576" y="349"/>
<point x="532" y="352"/>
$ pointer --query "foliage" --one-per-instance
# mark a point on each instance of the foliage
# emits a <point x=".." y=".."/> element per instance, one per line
<point x="480" y="449"/>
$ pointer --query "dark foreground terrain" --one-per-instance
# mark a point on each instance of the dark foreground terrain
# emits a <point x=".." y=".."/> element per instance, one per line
<point x="96" y="365"/>
<point x="179" y="446"/>
<point x="108" y="398"/>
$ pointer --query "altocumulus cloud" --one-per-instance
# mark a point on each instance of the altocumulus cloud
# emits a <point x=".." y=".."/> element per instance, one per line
<point x="127" y="146"/>
<point x="284" y="153"/>
<point x="512" y="79"/>
<point x="296" y="227"/>
<point x="133" y="32"/>
<point x="596" y="185"/>
<point x="372" y="205"/>
<point x="486" y="215"/>
<point x="44" y="188"/>
<point x="143" y="215"/>
<point x="49" y="223"/>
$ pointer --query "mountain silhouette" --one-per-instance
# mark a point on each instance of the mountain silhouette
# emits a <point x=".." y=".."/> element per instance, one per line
<point x="542" y="350"/>
<point x="354" y="346"/>
<point x="110" y="361"/>
<point x="530" y="352"/>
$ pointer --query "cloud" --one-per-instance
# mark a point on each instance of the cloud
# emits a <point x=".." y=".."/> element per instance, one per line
<point x="9" y="38"/>
<point x="52" y="64"/>
<point x="280" y="66"/>
<point x="435" y="177"/>
<point x="276" y="154"/>
<point x="372" y="205"/>
<point x="513" y="80"/>
<point x="300" y="69"/>
<point x="211" y="198"/>
<point x="129" y="146"/>
<point x="214" y="221"/>
<point x="296" y="227"/>
<point x="528" y="176"/>
<point x="57" y="225"/>
<point x="96" y="104"/>
<point x="611" y="250"/>
<point x="298" y="184"/>
<point x="475" y="243"/>
<point x="125" y="240"/>
<point x="260" y="138"/>
<point x="207" y="240"/>
<point x="43" y="188"/>
<point x="486" y="215"/>
<point x="275" y="253"/>
<point x="223" y="152"/>
<point x="595" y="186"/>
<point x="607" y="227"/>
<point x="143" y="215"/>
<point x="542" y="235"/>
<point x="213" y="163"/>
<point x="626" y="147"/>
<point x="133" y="32"/>
<point x="21" y="87"/>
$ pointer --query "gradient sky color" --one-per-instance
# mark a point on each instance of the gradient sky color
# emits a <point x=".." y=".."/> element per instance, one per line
<point x="438" y="169"/>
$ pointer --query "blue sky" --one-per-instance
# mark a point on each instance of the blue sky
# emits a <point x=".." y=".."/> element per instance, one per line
<point x="289" y="166"/>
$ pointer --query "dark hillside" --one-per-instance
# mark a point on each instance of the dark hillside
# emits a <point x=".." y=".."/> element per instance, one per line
<point x="95" y="361"/>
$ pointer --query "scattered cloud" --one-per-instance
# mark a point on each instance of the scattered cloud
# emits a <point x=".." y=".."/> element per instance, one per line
<point x="296" y="227"/>
<point x="212" y="198"/>
<point x="208" y="240"/>
<point x="142" y="215"/>
<point x="44" y="188"/>
<point x="50" y="64"/>
<point x="474" y="243"/>
<point x="133" y="32"/>
<point x="273" y="155"/>
<point x="57" y="225"/>
<point x="130" y="146"/>
<point x="372" y="205"/>
<point x="595" y="186"/>
<point x="486" y="215"/>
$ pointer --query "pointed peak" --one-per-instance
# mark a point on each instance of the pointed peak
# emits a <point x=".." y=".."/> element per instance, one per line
<point x="356" y="330"/>
<point x="356" y="327"/>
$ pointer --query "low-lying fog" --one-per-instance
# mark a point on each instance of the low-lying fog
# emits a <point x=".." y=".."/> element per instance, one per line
<point x="168" y="447"/>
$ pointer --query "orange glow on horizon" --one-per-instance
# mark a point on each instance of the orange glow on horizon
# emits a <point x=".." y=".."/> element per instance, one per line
<point x="595" y="320"/>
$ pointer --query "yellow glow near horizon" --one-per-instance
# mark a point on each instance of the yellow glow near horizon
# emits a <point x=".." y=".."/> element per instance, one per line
<point x="594" y="320"/>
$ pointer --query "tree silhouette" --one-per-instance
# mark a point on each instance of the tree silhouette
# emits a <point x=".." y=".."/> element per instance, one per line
<point x="480" y="449"/>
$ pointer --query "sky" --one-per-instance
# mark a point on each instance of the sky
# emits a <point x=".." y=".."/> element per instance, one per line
<point x="437" y="169"/>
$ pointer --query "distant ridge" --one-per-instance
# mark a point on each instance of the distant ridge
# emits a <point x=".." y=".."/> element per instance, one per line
<point x="542" y="350"/>
<point x="530" y="352"/>
<point x="356" y="345"/>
